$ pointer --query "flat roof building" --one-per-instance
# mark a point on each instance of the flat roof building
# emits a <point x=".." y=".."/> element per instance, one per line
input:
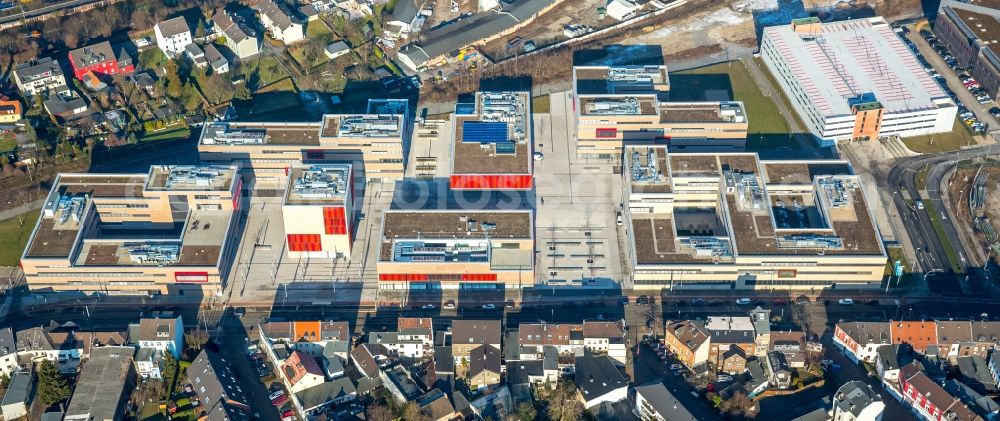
<point x="854" y="79"/>
<point x="971" y="32"/>
<point x="135" y="234"/>
<point x="704" y="220"/>
<point x="456" y="248"/>
<point x="620" y="105"/>
<point x="318" y="210"/>
<point x="372" y="142"/>
<point x="492" y="146"/>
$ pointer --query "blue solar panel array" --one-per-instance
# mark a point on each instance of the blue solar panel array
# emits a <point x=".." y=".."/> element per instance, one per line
<point x="484" y="132"/>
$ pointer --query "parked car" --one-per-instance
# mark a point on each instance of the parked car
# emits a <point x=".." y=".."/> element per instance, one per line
<point x="845" y="301"/>
<point x="279" y="400"/>
<point x="275" y="394"/>
<point x="724" y="378"/>
<point x="450" y="304"/>
<point x="676" y="367"/>
<point x="239" y="311"/>
<point x="428" y="306"/>
<point x="489" y="307"/>
<point x="743" y="301"/>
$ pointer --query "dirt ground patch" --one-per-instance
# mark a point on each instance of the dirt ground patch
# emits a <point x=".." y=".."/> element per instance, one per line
<point x="442" y="11"/>
<point x="547" y="29"/>
<point x="959" y="189"/>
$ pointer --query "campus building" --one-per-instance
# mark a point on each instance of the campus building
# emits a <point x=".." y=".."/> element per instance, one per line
<point x="171" y="230"/>
<point x="373" y="142"/>
<point x="456" y="249"/>
<point x="854" y="80"/>
<point x="492" y="146"/>
<point x="971" y="32"/>
<point x="317" y="211"/>
<point x="701" y="220"/>
<point x="620" y="105"/>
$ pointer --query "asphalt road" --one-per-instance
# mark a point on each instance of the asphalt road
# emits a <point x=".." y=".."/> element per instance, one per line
<point x="46" y="10"/>
<point x="931" y="252"/>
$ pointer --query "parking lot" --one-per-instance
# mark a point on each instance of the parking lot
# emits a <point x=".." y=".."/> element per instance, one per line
<point x="974" y="106"/>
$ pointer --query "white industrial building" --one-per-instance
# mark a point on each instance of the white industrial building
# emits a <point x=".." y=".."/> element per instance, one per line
<point x="855" y="80"/>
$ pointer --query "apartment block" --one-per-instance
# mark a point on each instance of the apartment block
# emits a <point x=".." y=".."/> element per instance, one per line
<point x="317" y="211"/>
<point x="715" y="220"/>
<point x="372" y="142"/>
<point x="622" y="105"/>
<point x="947" y="339"/>
<point x="39" y="77"/>
<point x="172" y="36"/>
<point x="456" y="249"/>
<point x="171" y="230"/>
<point x="854" y="80"/>
<point x="492" y="146"/>
<point x="971" y="32"/>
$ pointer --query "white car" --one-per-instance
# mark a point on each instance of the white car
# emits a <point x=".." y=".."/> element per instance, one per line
<point x="676" y="367"/>
<point x="619" y="220"/>
<point x="489" y="307"/>
<point x="538" y="156"/>
<point x="724" y="378"/>
<point x="845" y="301"/>
<point x="428" y="307"/>
<point x="743" y="301"/>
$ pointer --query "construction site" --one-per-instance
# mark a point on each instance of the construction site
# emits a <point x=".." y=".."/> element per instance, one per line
<point x="975" y="192"/>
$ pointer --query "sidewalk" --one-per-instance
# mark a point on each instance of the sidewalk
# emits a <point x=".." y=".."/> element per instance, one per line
<point x="27" y="207"/>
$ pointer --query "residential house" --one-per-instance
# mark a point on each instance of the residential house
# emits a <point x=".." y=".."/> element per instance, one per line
<point x="100" y="58"/>
<point x="215" y="59"/>
<point x="336" y="49"/>
<point x="402" y="20"/>
<point x="930" y="400"/>
<point x="761" y="319"/>
<point x="983" y="406"/>
<point x="39" y="77"/>
<point x="792" y="344"/>
<point x="413" y="339"/>
<point x="333" y="366"/>
<point x="689" y="341"/>
<point x="148" y="362"/>
<point x="65" y="107"/>
<point x="300" y="372"/>
<point x="280" y="22"/>
<point x="484" y="366"/>
<point x="856" y="401"/>
<point x="778" y="370"/>
<point x="309" y="336"/>
<point x="606" y="338"/>
<point x="20" y="393"/>
<point x="239" y="35"/>
<point x="165" y="334"/>
<point x="975" y="372"/>
<point x="917" y="334"/>
<point x="734" y="361"/>
<point x="218" y="389"/>
<point x="8" y="352"/>
<point x="369" y="359"/>
<point x="952" y="335"/>
<point x="598" y="380"/>
<point x="531" y="339"/>
<point x="467" y="335"/>
<point x="653" y="402"/>
<point x="316" y="399"/>
<point x="10" y="111"/>
<point x="196" y="55"/>
<point x="104" y="385"/>
<point x="52" y="343"/>
<point x="860" y="340"/>
<point x="759" y="379"/>
<point x="172" y="36"/>
<point x="887" y="364"/>
<point x="400" y="384"/>
<point x="436" y="406"/>
<point x="727" y="332"/>
<point x="994" y="365"/>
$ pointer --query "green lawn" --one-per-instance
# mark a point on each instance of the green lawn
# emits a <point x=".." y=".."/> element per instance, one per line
<point x="318" y="29"/>
<point x="958" y="137"/>
<point x="152" y="58"/>
<point x="733" y="77"/>
<point x="540" y="104"/>
<point x="14" y="237"/>
<point x="173" y="133"/>
<point x="896" y="253"/>
<point x="261" y="71"/>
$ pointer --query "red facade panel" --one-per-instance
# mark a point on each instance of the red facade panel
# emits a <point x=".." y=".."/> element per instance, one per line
<point x="304" y="242"/>
<point x="335" y="220"/>
<point x="607" y="133"/>
<point x="404" y="277"/>
<point x="492" y="182"/>
<point x="481" y="277"/>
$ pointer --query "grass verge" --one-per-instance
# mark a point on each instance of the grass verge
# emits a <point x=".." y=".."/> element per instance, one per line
<point x="949" y="248"/>
<point x="954" y="140"/>
<point x="540" y="104"/>
<point x="14" y="233"/>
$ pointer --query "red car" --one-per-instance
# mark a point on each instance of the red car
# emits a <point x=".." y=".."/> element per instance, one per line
<point x="288" y="413"/>
<point x="279" y="400"/>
